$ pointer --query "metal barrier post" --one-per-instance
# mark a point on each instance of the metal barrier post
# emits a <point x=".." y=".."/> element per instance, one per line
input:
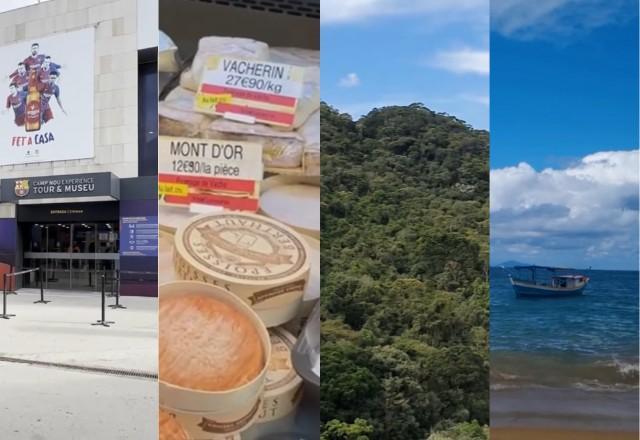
<point x="41" y="300"/>
<point x="4" y="298"/>
<point x="103" y="322"/>
<point x="11" y="291"/>
<point x="117" y="305"/>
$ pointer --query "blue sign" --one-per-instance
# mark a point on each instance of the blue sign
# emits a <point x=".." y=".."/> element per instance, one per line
<point x="139" y="236"/>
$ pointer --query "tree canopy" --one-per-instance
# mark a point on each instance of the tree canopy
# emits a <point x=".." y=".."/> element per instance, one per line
<point x="405" y="219"/>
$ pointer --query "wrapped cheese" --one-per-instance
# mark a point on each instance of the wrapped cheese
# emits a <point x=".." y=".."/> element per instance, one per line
<point x="280" y="149"/>
<point x="187" y="81"/>
<point x="244" y="48"/>
<point x="309" y="102"/>
<point x="177" y="117"/>
<point x="167" y="51"/>
<point x="310" y="132"/>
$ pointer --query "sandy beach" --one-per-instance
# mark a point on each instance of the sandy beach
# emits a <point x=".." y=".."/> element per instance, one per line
<point x="558" y="434"/>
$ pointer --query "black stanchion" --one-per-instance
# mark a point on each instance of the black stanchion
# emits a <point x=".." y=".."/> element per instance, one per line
<point x="103" y="322"/>
<point x="4" y="298"/>
<point x="117" y="305"/>
<point x="11" y="291"/>
<point x="112" y="294"/>
<point x="41" y="300"/>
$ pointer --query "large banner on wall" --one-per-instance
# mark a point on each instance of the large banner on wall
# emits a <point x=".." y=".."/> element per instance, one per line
<point x="48" y="111"/>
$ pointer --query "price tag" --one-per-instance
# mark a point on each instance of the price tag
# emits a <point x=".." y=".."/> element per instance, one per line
<point x="258" y="90"/>
<point x="210" y="158"/>
<point x="210" y="171"/>
<point x="173" y="189"/>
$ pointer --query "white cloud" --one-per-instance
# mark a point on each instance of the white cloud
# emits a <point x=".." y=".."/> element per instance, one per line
<point x="551" y="19"/>
<point x="463" y="61"/>
<point x="589" y="209"/>
<point x="478" y="99"/>
<point x="348" y="11"/>
<point x="350" y="80"/>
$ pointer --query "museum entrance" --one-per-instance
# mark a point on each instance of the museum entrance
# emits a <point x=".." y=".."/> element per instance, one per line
<point x="73" y="256"/>
<point x="74" y="244"/>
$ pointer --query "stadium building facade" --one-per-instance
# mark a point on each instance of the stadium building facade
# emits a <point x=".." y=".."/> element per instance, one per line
<point x="78" y="144"/>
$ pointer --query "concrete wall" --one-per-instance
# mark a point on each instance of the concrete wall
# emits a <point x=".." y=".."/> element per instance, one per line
<point x="116" y="78"/>
<point x="147" y="23"/>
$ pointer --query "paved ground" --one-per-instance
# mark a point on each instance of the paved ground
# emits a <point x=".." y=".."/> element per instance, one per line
<point x="53" y="403"/>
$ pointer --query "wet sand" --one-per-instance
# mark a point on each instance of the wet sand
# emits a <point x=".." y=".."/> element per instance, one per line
<point x="558" y="434"/>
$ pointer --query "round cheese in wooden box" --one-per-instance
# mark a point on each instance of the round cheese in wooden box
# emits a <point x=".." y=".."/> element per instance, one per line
<point x="203" y="426"/>
<point x="283" y="388"/>
<point x="214" y="354"/>
<point x="257" y="258"/>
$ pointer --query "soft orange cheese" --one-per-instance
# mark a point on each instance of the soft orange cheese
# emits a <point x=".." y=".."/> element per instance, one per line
<point x="206" y="344"/>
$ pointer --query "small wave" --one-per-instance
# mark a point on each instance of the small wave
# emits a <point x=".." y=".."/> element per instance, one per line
<point x="506" y="376"/>
<point x="601" y="387"/>
<point x="626" y="368"/>
<point x="589" y="386"/>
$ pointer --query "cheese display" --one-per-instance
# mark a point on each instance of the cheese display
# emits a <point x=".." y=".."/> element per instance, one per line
<point x="260" y="260"/>
<point x="206" y="344"/>
<point x="170" y="428"/>
<point x="239" y="117"/>
<point x="289" y="145"/>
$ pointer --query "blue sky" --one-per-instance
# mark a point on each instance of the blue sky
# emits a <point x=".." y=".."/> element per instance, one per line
<point x="567" y="90"/>
<point x="389" y="52"/>
<point x="564" y="132"/>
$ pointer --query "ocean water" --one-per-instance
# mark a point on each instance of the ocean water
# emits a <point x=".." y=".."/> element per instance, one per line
<point x="558" y="360"/>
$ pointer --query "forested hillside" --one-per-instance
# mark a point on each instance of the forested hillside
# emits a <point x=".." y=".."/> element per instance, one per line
<point x="405" y="262"/>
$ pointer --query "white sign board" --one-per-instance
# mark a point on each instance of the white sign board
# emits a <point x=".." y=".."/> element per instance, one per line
<point x="210" y="158"/>
<point x="48" y="86"/>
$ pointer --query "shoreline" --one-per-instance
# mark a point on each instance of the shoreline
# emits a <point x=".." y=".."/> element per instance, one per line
<point x="558" y="434"/>
<point x="565" y="409"/>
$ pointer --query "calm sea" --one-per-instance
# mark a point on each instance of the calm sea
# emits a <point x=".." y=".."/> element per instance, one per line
<point x="562" y="359"/>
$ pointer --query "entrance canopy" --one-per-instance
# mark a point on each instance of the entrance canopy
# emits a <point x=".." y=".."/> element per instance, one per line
<point x="90" y="187"/>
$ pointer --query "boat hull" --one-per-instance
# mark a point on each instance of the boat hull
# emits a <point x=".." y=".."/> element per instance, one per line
<point x="536" y="291"/>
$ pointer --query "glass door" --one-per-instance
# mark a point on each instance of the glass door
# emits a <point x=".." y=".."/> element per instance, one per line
<point x="83" y="256"/>
<point x="72" y="255"/>
<point x="57" y="256"/>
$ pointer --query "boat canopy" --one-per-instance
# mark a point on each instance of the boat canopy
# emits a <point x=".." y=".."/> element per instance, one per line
<point x="533" y="267"/>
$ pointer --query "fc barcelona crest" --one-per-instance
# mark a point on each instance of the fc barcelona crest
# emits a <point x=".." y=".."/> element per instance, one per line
<point x="22" y="188"/>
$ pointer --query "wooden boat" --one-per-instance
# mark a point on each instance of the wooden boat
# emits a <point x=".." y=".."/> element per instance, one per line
<point x="558" y="284"/>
